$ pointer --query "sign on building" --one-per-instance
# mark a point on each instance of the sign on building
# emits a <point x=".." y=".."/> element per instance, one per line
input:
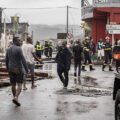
<point x="61" y="35"/>
<point x="113" y="29"/>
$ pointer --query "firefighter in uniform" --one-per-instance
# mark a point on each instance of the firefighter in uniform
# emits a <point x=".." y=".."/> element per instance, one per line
<point x="42" y="49"/>
<point x="46" y="48"/>
<point x="116" y="55"/>
<point x="87" y="56"/>
<point x="108" y="54"/>
<point x="50" y="49"/>
<point x="38" y="48"/>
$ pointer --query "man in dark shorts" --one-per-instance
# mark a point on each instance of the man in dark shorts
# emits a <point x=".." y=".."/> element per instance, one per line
<point x="15" y="62"/>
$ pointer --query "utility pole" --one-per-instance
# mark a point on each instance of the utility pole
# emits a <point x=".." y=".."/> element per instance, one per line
<point x="0" y="21"/>
<point x="67" y="18"/>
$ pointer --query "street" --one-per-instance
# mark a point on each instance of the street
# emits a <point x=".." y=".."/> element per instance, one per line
<point x="50" y="102"/>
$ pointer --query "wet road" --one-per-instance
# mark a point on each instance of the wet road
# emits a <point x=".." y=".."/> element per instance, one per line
<point x="50" y="102"/>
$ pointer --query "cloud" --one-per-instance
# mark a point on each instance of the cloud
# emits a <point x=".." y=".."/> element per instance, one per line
<point x="42" y="16"/>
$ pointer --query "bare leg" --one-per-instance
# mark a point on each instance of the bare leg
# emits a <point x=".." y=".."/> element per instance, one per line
<point x="24" y="83"/>
<point x="18" y="91"/>
<point x="13" y="90"/>
<point x="32" y="79"/>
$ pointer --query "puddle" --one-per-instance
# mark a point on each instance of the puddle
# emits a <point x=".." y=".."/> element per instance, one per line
<point x="86" y="91"/>
<point x="89" y="81"/>
<point x="74" y="107"/>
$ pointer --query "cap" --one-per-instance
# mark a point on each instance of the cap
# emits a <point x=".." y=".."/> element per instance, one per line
<point x="87" y="38"/>
<point x="107" y="37"/>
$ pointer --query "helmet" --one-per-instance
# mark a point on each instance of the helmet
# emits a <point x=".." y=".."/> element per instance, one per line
<point x="86" y="37"/>
<point x="118" y="42"/>
<point x="107" y="37"/>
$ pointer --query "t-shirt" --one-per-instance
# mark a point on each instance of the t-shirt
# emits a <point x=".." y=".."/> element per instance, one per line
<point x="15" y="58"/>
<point x="28" y="50"/>
<point x="77" y="51"/>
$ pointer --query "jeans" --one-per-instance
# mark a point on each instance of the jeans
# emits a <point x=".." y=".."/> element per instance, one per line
<point x="64" y="78"/>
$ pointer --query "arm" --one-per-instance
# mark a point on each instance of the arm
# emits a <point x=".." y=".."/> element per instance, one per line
<point x="68" y="60"/>
<point x="23" y="61"/>
<point x="34" y="54"/>
<point x="6" y="60"/>
<point x="82" y="54"/>
<point x="36" y="58"/>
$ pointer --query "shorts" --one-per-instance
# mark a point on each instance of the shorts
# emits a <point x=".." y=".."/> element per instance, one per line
<point x="31" y="67"/>
<point x="16" y="78"/>
<point x="101" y="53"/>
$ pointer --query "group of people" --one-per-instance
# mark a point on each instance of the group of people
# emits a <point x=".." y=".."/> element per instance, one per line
<point x="19" y="62"/>
<point x="81" y="54"/>
<point x="45" y="49"/>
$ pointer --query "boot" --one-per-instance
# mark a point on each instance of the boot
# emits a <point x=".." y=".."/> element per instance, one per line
<point x="91" y="68"/>
<point x="75" y="74"/>
<point x="83" y="68"/>
<point x="103" y="67"/>
<point x="110" y="68"/>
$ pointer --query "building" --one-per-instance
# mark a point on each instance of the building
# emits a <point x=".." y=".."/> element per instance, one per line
<point x="100" y="14"/>
<point x="10" y="29"/>
<point x="15" y="27"/>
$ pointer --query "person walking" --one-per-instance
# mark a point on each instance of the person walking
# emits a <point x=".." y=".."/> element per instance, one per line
<point x="77" y="56"/>
<point x="29" y="54"/>
<point x="63" y="59"/>
<point x="15" y="62"/>
<point x="108" y="55"/>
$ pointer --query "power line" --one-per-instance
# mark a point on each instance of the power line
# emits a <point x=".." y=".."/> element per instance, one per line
<point x="36" y="8"/>
<point x="42" y="8"/>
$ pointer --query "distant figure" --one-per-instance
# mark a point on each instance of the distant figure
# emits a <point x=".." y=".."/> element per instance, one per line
<point x="15" y="62"/>
<point x="87" y="54"/>
<point x="77" y="56"/>
<point x="29" y="54"/>
<point x="50" y="49"/>
<point x="100" y="48"/>
<point x="38" y="49"/>
<point x="116" y="55"/>
<point x="63" y="59"/>
<point x="108" y="55"/>
<point x="46" y="49"/>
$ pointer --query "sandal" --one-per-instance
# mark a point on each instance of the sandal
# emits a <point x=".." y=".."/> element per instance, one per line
<point x="16" y="102"/>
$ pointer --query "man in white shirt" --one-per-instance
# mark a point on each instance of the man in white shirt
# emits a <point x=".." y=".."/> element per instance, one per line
<point x="29" y="54"/>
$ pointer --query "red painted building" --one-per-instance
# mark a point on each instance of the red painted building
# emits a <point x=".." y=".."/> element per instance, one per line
<point x="98" y="15"/>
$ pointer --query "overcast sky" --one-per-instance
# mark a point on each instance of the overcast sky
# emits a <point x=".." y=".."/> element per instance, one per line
<point x="43" y="16"/>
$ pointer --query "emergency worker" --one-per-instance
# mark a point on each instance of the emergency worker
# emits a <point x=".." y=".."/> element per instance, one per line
<point x="42" y="49"/>
<point x="38" y="48"/>
<point x="46" y="48"/>
<point x="50" y="49"/>
<point x="116" y="55"/>
<point x="87" y="56"/>
<point x="108" y="54"/>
